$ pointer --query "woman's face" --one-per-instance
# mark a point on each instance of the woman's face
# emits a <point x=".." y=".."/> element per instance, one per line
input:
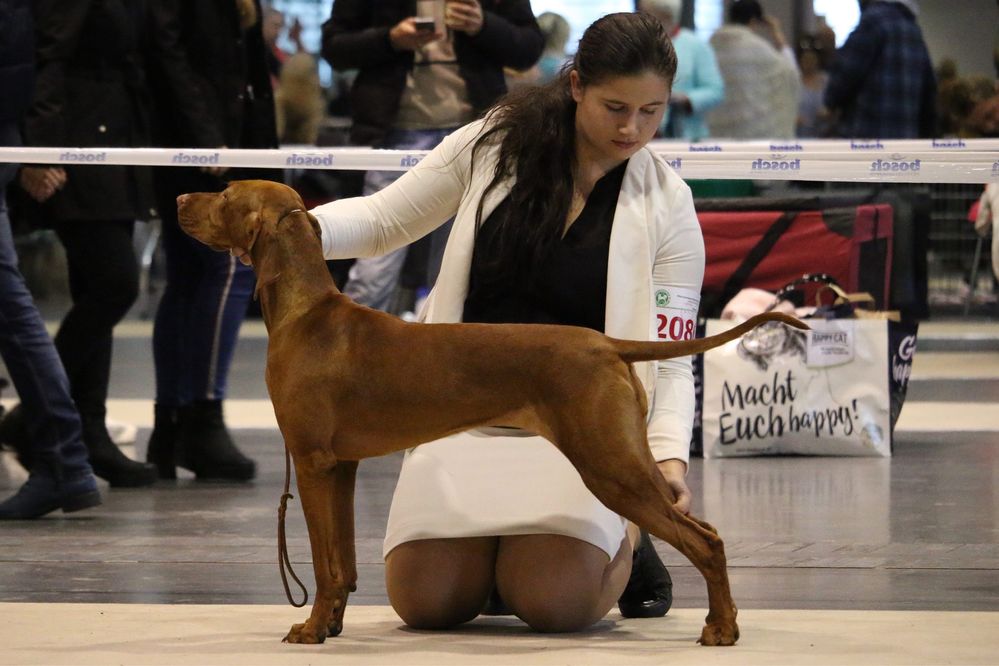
<point x="616" y="117"/>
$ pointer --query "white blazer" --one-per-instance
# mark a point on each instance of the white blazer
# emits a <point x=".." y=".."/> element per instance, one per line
<point x="655" y="245"/>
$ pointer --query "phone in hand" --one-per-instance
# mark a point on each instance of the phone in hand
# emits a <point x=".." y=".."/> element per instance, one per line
<point x="424" y="24"/>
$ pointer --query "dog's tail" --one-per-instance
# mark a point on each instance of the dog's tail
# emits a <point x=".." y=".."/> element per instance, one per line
<point x="632" y="351"/>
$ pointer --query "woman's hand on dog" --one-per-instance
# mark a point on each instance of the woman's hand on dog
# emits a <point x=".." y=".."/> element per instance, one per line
<point x="674" y="471"/>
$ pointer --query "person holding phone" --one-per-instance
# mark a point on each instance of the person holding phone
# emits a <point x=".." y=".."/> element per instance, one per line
<point x="419" y="78"/>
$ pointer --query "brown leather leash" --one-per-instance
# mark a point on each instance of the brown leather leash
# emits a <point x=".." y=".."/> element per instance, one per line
<point x="283" y="560"/>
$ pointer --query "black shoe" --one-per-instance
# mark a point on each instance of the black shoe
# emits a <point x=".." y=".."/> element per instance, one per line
<point x="206" y="447"/>
<point x="46" y="490"/>
<point x="109" y="462"/>
<point x="495" y="605"/>
<point x="649" y="592"/>
<point x="163" y="442"/>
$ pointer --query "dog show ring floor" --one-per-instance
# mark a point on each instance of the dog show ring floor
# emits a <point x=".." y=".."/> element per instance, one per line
<point x="831" y="560"/>
<point x="87" y="634"/>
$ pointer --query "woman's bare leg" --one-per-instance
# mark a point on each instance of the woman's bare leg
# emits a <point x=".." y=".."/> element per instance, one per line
<point x="441" y="583"/>
<point x="557" y="583"/>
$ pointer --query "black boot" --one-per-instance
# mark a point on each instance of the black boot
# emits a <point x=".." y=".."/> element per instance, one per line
<point x="649" y="592"/>
<point x="49" y="488"/>
<point x="108" y="461"/>
<point x="207" y="448"/>
<point x="163" y="442"/>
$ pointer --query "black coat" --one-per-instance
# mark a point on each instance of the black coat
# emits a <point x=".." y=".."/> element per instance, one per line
<point x="90" y="92"/>
<point x="17" y="58"/>
<point x="211" y="87"/>
<point x="357" y="37"/>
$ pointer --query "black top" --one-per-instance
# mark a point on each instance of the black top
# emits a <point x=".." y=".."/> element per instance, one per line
<point x="571" y="286"/>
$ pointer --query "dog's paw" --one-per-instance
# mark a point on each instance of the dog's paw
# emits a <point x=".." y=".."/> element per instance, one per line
<point x="305" y="633"/>
<point x="334" y="629"/>
<point x="719" y="633"/>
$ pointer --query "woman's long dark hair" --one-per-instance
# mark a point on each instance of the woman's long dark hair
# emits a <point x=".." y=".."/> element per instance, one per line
<point x="536" y="131"/>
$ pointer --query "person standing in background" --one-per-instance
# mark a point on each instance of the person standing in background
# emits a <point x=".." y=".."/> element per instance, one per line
<point x="59" y="476"/>
<point x="699" y="86"/>
<point x="273" y="25"/>
<point x="91" y="91"/>
<point x="419" y="78"/>
<point x="761" y="81"/>
<point x="813" y="116"/>
<point x="212" y="89"/>
<point x="556" y="31"/>
<point x="882" y="84"/>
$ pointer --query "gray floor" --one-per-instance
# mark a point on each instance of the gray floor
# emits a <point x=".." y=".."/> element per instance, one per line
<point x="917" y="532"/>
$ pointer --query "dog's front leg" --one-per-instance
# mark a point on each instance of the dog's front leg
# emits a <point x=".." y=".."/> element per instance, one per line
<point x="315" y="471"/>
<point x="343" y="519"/>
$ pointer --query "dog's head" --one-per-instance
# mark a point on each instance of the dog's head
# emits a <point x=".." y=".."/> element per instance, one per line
<point x="239" y="216"/>
<point x="236" y="216"/>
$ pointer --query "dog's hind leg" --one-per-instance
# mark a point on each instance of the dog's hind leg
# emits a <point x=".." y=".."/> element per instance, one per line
<point x="315" y="469"/>
<point x="642" y="497"/>
<point x="343" y="520"/>
<point x="608" y="446"/>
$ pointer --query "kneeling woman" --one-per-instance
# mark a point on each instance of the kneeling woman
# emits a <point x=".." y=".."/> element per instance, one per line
<point x="562" y="215"/>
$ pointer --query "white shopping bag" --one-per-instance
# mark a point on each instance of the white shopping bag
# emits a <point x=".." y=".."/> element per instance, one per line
<point x="778" y="390"/>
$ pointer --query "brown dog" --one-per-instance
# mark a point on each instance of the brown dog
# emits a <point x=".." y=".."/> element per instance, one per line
<point x="341" y="395"/>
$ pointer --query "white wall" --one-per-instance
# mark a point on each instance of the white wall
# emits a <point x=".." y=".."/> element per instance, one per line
<point x="964" y="30"/>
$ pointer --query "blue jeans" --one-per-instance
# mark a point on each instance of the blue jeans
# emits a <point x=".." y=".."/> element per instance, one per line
<point x="30" y="355"/>
<point x="202" y="308"/>
<point x="372" y="281"/>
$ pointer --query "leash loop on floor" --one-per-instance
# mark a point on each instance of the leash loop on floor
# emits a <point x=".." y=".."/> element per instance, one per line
<point x="283" y="561"/>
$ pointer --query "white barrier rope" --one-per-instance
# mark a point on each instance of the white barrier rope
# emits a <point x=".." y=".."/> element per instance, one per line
<point x="910" y="161"/>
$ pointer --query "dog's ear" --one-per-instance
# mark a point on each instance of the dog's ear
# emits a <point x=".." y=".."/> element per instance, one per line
<point x="251" y="228"/>
<point x="264" y="263"/>
<point x="315" y="225"/>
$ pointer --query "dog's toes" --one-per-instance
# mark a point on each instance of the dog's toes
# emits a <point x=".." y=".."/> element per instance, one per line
<point x="718" y="633"/>
<point x="303" y="634"/>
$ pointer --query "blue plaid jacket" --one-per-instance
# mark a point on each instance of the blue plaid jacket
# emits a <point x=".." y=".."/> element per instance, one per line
<point x="882" y="80"/>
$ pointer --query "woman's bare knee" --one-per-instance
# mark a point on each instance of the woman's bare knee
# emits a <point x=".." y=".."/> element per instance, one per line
<point x="440" y="583"/>
<point x="556" y="583"/>
<point x="553" y="615"/>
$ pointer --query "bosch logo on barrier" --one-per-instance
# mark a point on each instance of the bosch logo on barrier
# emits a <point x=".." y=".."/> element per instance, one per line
<point x="676" y="163"/>
<point x="309" y="160"/>
<point x="895" y="164"/>
<point x="948" y="143"/>
<point x="777" y="163"/>
<point x="70" y="156"/>
<point x="698" y="148"/>
<point x="410" y="161"/>
<point x="866" y="145"/>
<point x="186" y="158"/>
<point x="786" y="147"/>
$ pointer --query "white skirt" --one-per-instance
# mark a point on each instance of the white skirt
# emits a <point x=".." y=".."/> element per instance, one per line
<point x="489" y="482"/>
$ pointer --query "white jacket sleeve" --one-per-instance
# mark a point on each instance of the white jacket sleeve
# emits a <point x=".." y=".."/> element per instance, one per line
<point x="421" y="200"/>
<point x="679" y="263"/>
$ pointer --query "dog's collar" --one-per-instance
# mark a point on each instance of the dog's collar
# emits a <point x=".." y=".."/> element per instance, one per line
<point x="290" y="212"/>
<point x="279" y="220"/>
